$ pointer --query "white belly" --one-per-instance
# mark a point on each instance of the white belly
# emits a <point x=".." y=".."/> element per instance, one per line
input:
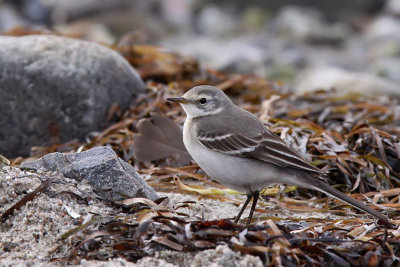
<point x="237" y="173"/>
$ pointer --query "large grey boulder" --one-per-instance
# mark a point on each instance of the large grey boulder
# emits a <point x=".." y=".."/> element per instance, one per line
<point x="110" y="176"/>
<point x="57" y="88"/>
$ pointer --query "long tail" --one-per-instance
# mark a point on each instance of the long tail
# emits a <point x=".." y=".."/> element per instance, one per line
<point x="329" y="190"/>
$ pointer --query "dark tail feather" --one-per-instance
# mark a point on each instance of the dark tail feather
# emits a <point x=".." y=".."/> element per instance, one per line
<point x="327" y="189"/>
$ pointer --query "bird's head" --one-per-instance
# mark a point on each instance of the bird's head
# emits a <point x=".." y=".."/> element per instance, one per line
<point x="203" y="100"/>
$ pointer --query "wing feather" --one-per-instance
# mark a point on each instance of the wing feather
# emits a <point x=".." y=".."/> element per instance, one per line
<point x="266" y="147"/>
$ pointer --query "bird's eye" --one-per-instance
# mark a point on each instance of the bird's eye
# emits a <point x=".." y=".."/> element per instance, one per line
<point x="202" y="101"/>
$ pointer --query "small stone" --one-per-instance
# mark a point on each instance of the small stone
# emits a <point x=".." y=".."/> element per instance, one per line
<point x="110" y="176"/>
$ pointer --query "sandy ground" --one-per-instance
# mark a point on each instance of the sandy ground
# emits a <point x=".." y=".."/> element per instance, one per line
<point x="31" y="236"/>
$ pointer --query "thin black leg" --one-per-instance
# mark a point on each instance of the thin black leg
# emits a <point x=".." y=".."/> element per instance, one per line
<point x="249" y="196"/>
<point x="256" y="194"/>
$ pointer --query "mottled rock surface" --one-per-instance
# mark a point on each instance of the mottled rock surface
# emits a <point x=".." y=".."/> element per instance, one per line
<point x="57" y="88"/>
<point x="110" y="176"/>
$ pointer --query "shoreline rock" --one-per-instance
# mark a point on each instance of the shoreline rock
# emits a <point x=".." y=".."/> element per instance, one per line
<point x="110" y="176"/>
<point x="57" y="88"/>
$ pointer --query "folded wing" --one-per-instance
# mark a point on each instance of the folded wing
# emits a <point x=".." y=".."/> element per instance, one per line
<point x="266" y="147"/>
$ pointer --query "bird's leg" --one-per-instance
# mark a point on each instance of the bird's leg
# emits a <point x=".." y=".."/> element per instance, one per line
<point x="256" y="194"/>
<point x="249" y="196"/>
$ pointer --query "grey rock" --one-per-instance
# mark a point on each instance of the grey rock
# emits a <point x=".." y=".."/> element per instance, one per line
<point x="243" y="55"/>
<point x="215" y="21"/>
<point x="9" y="17"/>
<point x="58" y="88"/>
<point x="392" y="7"/>
<point x="339" y="10"/>
<point x="61" y="11"/>
<point x="110" y="176"/>
<point x="307" y="24"/>
<point x="35" y="11"/>
<point x="56" y="11"/>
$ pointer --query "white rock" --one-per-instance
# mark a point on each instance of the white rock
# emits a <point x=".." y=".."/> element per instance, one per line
<point x="388" y="67"/>
<point x="383" y="27"/>
<point x="393" y="7"/>
<point x="346" y="81"/>
<point x="299" y="22"/>
<point x="241" y="55"/>
<point x="307" y="23"/>
<point x="214" y="21"/>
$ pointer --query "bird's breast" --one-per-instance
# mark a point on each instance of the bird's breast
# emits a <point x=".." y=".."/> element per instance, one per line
<point x="241" y="174"/>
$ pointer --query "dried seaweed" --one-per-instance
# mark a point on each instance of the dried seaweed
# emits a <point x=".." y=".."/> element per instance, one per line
<point x="338" y="134"/>
<point x="307" y="242"/>
<point x="157" y="63"/>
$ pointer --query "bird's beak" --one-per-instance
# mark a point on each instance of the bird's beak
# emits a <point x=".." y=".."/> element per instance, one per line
<point x="178" y="100"/>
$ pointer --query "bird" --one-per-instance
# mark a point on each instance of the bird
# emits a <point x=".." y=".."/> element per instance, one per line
<point x="232" y="146"/>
